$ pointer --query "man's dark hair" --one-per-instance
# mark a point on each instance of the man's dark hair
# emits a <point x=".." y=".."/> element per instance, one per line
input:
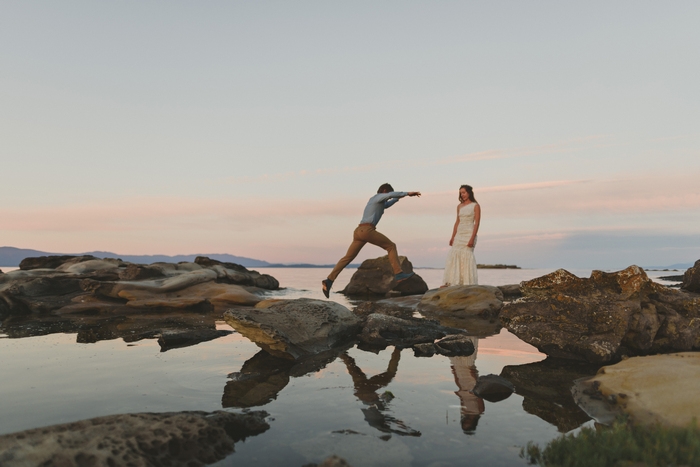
<point x="385" y="188"/>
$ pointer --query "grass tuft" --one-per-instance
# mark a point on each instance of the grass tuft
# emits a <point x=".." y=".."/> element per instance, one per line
<point x="621" y="444"/>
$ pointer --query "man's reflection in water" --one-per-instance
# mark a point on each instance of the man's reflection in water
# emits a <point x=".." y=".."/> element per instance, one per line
<point x="366" y="390"/>
<point x="466" y="374"/>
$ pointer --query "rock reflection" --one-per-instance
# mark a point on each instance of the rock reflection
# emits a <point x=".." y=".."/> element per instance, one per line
<point x="546" y="389"/>
<point x="263" y="376"/>
<point x="366" y="390"/>
<point x="173" y="328"/>
<point x="466" y="376"/>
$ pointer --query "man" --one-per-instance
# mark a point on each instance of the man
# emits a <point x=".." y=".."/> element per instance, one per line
<point x="366" y="232"/>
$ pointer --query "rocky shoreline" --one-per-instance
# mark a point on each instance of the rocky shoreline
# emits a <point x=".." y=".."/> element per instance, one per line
<point x="579" y="323"/>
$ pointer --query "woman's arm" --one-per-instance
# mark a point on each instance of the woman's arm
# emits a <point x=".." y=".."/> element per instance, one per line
<point x="477" y="221"/>
<point x="454" y="230"/>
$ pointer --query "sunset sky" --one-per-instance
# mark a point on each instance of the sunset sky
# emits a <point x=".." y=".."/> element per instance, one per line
<point x="260" y="129"/>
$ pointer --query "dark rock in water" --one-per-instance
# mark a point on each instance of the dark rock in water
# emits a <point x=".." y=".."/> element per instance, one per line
<point x="672" y="278"/>
<point x="546" y="390"/>
<point x="380" y="331"/>
<point x="169" y="340"/>
<point x="375" y="277"/>
<point x="295" y="328"/>
<point x="510" y="291"/>
<point x="493" y="388"/>
<point x="51" y="262"/>
<point x="177" y="439"/>
<point x="605" y="317"/>
<point x="458" y="345"/>
<point x="424" y="350"/>
<point x="691" y="278"/>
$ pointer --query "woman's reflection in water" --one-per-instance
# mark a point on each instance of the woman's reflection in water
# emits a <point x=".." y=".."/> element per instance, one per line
<point x="466" y="374"/>
<point x="366" y="390"/>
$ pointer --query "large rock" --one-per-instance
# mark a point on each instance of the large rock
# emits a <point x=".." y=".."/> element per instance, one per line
<point x="180" y="439"/>
<point x="691" y="278"/>
<point x="605" y="317"/>
<point x="375" y="277"/>
<point x="462" y="301"/>
<point x="64" y="284"/>
<point x="295" y="328"/>
<point x="655" y="389"/>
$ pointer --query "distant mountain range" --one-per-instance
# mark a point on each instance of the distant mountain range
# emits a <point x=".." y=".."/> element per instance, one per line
<point x="11" y="257"/>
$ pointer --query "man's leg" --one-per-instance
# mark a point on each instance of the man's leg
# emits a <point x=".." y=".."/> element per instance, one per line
<point x="353" y="250"/>
<point x="376" y="238"/>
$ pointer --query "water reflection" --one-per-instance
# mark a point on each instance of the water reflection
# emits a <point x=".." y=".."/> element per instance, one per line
<point x="366" y="390"/>
<point x="173" y="328"/>
<point x="546" y="390"/>
<point x="466" y="376"/>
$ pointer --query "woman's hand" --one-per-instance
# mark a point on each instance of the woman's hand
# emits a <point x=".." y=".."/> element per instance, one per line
<point x="452" y="241"/>
<point x="471" y="243"/>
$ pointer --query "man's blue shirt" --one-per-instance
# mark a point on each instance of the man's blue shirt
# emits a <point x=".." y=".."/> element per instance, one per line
<point x="378" y="203"/>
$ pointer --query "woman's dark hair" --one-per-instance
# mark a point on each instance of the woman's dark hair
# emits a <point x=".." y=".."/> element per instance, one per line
<point x="385" y="188"/>
<point x="470" y="193"/>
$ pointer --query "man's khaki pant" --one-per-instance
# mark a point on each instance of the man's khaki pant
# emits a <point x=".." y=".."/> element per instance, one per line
<point x="367" y="233"/>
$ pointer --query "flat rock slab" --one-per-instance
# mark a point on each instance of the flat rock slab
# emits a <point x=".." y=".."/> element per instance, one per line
<point x="463" y="301"/>
<point x="653" y="389"/>
<point x="180" y="439"/>
<point x="295" y="328"/>
<point x="380" y="331"/>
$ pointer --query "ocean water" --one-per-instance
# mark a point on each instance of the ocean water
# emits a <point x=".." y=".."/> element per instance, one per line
<point x="432" y="419"/>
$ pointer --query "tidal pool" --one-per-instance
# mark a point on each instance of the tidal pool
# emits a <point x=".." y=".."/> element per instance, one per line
<point x="373" y="409"/>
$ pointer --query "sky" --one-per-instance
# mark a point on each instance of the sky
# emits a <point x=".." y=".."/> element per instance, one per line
<point x="261" y="128"/>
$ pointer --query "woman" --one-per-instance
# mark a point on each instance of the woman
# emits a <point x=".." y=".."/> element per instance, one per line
<point x="460" y="268"/>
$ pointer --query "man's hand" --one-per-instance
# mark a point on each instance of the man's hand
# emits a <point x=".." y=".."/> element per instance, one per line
<point x="414" y="193"/>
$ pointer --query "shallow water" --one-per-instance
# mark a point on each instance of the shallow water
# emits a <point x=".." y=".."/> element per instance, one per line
<point x="433" y="419"/>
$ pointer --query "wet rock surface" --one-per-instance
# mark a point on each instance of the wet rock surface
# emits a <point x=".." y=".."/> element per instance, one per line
<point x="605" y="317"/>
<point x="657" y="389"/>
<point x="546" y="390"/>
<point x="187" y="439"/>
<point x="375" y="277"/>
<point x="691" y="278"/>
<point x="380" y="331"/>
<point x="295" y="328"/>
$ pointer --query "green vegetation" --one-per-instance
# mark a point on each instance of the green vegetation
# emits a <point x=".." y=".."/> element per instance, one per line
<point x="621" y="444"/>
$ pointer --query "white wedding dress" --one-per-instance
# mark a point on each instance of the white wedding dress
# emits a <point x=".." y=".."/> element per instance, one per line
<point x="460" y="268"/>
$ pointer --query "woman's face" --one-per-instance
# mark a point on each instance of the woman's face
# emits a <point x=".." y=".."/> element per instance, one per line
<point x="463" y="194"/>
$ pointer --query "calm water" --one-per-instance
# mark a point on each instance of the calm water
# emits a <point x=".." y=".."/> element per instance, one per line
<point x="433" y="420"/>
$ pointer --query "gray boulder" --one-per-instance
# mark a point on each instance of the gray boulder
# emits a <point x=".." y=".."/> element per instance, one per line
<point x="295" y="328"/>
<point x="375" y="277"/>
